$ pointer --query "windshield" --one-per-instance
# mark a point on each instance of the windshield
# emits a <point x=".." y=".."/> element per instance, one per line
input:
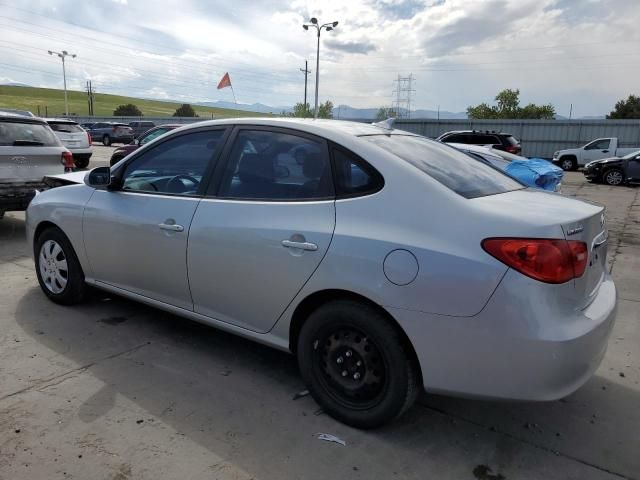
<point x="452" y="168"/>
<point x="65" y="127"/>
<point x="31" y="134"/>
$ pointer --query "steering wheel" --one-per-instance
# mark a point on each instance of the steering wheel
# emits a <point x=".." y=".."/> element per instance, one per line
<point x="172" y="185"/>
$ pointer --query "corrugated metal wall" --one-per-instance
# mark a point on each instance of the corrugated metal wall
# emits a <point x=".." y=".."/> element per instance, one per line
<point x="539" y="138"/>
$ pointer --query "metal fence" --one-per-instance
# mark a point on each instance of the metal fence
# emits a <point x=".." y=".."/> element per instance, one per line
<point x="539" y="138"/>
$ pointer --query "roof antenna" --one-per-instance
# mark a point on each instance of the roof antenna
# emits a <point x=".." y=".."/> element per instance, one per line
<point x="386" y="124"/>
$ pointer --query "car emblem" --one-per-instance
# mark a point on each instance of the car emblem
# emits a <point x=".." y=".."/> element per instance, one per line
<point x="19" y="160"/>
<point x="573" y="231"/>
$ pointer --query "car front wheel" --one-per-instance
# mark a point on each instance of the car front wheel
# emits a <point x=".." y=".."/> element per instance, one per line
<point x="59" y="272"/>
<point x="568" y="164"/>
<point x="613" y="176"/>
<point x="356" y="365"/>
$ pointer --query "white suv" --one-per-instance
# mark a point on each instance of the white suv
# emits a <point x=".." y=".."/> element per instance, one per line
<point x="75" y="138"/>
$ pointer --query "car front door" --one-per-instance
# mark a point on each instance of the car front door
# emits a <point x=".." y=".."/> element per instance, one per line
<point x="264" y="227"/>
<point x="596" y="150"/>
<point x="136" y="236"/>
<point x="633" y="169"/>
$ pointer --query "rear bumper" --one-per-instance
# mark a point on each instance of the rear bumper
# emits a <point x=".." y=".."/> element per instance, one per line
<point x="518" y="353"/>
<point x="16" y="196"/>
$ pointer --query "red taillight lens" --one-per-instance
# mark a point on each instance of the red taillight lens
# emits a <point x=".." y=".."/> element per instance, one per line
<point x="546" y="260"/>
<point x="89" y="138"/>
<point x="512" y="149"/>
<point x="67" y="161"/>
<point x="113" y="130"/>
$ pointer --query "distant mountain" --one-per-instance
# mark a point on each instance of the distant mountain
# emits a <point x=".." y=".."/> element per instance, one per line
<point x="254" y="107"/>
<point x="15" y="84"/>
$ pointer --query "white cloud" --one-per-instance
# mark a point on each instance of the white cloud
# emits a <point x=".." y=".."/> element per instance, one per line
<point x="462" y="52"/>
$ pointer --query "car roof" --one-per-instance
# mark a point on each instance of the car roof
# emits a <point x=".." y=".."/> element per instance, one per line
<point x="15" y="117"/>
<point x="60" y="120"/>
<point x="320" y="127"/>
<point x="483" y="132"/>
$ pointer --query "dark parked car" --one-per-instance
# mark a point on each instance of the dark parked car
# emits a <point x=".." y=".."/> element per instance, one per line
<point x="111" y="132"/>
<point x="616" y="170"/>
<point x="141" y="126"/>
<point x="497" y="140"/>
<point x="146" y="137"/>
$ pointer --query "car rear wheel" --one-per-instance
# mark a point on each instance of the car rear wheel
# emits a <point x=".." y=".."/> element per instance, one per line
<point x="106" y="140"/>
<point x="613" y="176"/>
<point x="568" y="164"/>
<point x="59" y="272"/>
<point x="81" y="162"/>
<point x="355" y="364"/>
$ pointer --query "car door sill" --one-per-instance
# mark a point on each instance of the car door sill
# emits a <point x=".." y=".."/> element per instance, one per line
<point x="264" y="338"/>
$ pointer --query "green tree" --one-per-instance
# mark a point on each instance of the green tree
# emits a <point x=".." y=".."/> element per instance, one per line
<point x="128" y="110"/>
<point x="385" y="112"/>
<point x="508" y="107"/>
<point x="325" y="110"/>
<point x="629" y="108"/>
<point x="301" y="110"/>
<point x="185" y="110"/>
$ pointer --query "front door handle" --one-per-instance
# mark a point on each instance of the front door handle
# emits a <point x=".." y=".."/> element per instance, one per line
<point x="312" y="247"/>
<point x="605" y="151"/>
<point x="171" y="227"/>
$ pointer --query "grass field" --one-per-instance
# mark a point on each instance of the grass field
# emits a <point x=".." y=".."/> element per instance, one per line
<point x="51" y="103"/>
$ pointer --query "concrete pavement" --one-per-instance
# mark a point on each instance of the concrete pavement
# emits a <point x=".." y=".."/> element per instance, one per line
<point x="116" y="390"/>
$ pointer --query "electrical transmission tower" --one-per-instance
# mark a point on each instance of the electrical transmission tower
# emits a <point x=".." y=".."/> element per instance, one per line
<point x="90" y="92"/>
<point x="402" y="93"/>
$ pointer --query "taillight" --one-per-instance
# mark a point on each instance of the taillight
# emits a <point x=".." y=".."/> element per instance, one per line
<point x="512" y="149"/>
<point x="89" y="138"/>
<point x="113" y="130"/>
<point x="546" y="260"/>
<point x="67" y="161"/>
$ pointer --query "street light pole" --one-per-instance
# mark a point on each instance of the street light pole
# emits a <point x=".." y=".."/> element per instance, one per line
<point x="328" y="27"/>
<point x="62" y="55"/>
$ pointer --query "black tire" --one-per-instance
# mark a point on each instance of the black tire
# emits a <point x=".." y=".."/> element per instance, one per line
<point x="613" y="177"/>
<point x="337" y="336"/>
<point x="568" y="163"/>
<point x="114" y="160"/>
<point x="106" y="140"/>
<point x="75" y="289"/>
<point x="81" y="162"/>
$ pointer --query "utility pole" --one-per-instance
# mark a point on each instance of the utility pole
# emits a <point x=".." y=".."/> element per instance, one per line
<point x="570" y="111"/>
<point x="403" y="91"/>
<point x="328" y="27"/>
<point x="90" y="93"/>
<point x="63" y="55"/>
<point x="306" y="72"/>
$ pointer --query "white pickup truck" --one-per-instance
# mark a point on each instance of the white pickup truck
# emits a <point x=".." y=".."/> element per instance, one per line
<point x="600" y="148"/>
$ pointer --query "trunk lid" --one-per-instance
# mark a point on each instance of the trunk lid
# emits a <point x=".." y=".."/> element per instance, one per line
<point x="29" y="164"/>
<point x="530" y="213"/>
<point x="122" y="131"/>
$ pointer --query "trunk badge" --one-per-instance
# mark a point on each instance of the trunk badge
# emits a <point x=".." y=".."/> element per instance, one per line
<point x="576" y="230"/>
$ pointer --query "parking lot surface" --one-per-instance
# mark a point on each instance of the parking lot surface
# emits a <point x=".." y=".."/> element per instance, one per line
<point x="113" y="389"/>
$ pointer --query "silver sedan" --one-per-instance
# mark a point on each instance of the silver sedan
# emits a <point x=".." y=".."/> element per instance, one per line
<point x="386" y="262"/>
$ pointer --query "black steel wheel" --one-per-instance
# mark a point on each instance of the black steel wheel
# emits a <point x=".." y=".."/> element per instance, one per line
<point x="356" y="365"/>
<point x="106" y="140"/>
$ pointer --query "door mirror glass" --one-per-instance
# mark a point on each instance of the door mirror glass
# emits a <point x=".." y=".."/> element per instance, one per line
<point x="98" y="177"/>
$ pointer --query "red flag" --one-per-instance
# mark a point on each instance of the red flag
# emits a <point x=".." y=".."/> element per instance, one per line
<point x="225" y="81"/>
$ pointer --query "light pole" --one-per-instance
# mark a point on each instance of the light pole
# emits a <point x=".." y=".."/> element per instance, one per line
<point x="64" y="76"/>
<point x="328" y="27"/>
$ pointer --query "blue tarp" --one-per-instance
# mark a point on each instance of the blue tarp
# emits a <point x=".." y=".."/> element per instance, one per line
<point x="536" y="172"/>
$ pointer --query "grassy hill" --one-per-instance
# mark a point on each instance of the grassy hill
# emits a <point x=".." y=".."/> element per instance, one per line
<point x="51" y="103"/>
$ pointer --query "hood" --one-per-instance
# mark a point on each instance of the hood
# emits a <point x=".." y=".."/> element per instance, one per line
<point x="604" y="161"/>
<point x="65" y="178"/>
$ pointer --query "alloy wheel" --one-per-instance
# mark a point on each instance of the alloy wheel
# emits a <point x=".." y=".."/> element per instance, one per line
<point x="53" y="267"/>
<point x="613" y="177"/>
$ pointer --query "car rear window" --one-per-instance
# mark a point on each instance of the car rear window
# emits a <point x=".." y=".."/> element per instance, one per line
<point x="452" y="168"/>
<point x="65" y="127"/>
<point x="27" y="134"/>
<point x="511" y="140"/>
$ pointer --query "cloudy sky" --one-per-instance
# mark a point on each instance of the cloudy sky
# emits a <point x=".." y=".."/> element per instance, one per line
<point x="461" y="52"/>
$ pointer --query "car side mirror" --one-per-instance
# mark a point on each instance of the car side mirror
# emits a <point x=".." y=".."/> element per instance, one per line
<point x="99" y="178"/>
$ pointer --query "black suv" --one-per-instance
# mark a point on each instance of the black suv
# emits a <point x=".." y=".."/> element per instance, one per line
<point x="497" y="140"/>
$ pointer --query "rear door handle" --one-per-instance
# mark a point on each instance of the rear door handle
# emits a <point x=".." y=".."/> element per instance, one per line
<point x="171" y="227"/>
<point x="312" y="247"/>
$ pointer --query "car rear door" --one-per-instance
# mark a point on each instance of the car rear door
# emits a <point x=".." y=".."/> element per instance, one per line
<point x="263" y="228"/>
<point x="136" y="237"/>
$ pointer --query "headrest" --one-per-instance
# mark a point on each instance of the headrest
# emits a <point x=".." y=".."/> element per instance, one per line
<point x="256" y="168"/>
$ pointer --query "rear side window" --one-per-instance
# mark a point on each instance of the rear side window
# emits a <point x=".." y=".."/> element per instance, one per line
<point x="354" y="176"/>
<point x="455" y="138"/>
<point x="65" y="127"/>
<point x="450" y="167"/>
<point x="27" y="134"/>
<point x="483" y="139"/>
